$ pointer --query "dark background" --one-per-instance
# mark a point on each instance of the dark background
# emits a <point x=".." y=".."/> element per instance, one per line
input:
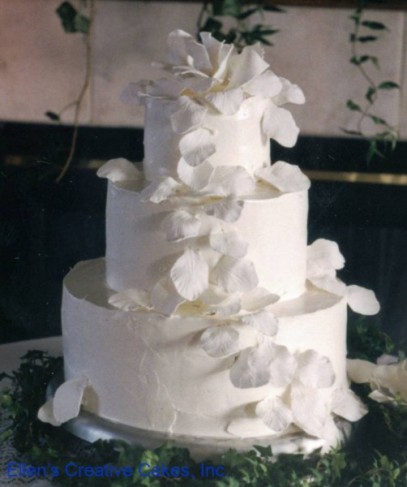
<point x="47" y="227"/>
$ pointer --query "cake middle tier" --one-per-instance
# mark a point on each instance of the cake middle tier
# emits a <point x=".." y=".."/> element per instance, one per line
<point x="274" y="226"/>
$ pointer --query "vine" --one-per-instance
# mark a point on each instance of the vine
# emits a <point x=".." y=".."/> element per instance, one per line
<point x="74" y="22"/>
<point x="364" y="32"/>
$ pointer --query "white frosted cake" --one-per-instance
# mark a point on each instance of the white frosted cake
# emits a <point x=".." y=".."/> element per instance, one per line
<point x="210" y="316"/>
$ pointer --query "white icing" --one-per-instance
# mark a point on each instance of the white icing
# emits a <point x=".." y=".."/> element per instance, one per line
<point x="161" y="144"/>
<point x="137" y="253"/>
<point x="120" y="350"/>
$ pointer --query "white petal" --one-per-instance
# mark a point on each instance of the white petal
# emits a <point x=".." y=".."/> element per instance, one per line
<point x="266" y="85"/>
<point x="134" y="92"/>
<point x="275" y="413"/>
<point x="199" y="55"/>
<point x="119" y="170"/>
<point x="188" y="116"/>
<point x="386" y="359"/>
<point x="347" y="405"/>
<point x="391" y="380"/>
<point x="263" y="364"/>
<point x="219" y="302"/>
<point x="176" y="42"/>
<point x="362" y="300"/>
<point x="46" y="413"/>
<point x="251" y="368"/>
<point x="285" y="177"/>
<point x="229" y="307"/>
<point x="381" y="398"/>
<point x="197" y="146"/>
<point x="258" y="298"/>
<point x="279" y="124"/>
<point x="130" y="299"/>
<point x="230" y="180"/>
<point x="190" y="275"/>
<point x="179" y="225"/>
<point x="164" y="297"/>
<point x="197" y="178"/>
<point x="229" y="243"/>
<point x="310" y="410"/>
<point x="68" y="398"/>
<point x="220" y="341"/>
<point x="323" y="258"/>
<point x="227" y="102"/>
<point x="167" y="88"/>
<point x="360" y="371"/>
<point x="235" y="275"/>
<point x="315" y="370"/>
<point x="219" y="54"/>
<point x="159" y="191"/>
<point x="247" y="65"/>
<point x="330" y="285"/>
<point x="263" y="321"/>
<point x="290" y="93"/>
<point x="282" y="366"/>
<point x="227" y="209"/>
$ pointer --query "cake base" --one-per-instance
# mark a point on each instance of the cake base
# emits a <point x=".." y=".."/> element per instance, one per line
<point x="90" y="427"/>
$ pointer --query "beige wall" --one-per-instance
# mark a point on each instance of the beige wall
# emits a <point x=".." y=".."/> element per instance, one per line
<point x="42" y="68"/>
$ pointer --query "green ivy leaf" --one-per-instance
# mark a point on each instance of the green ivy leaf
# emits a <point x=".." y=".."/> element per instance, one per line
<point x="353" y="106"/>
<point x="374" y="25"/>
<point x="377" y="120"/>
<point x="52" y="116"/>
<point x="232" y="8"/>
<point x="370" y="93"/>
<point x="72" y="20"/>
<point x="358" y="60"/>
<point x="352" y="132"/>
<point x="365" y="39"/>
<point x="212" y="25"/>
<point x="247" y="13"/>
<point x="388" y="85"/>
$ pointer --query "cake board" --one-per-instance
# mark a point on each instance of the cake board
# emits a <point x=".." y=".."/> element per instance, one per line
<point x="90" y="427"/>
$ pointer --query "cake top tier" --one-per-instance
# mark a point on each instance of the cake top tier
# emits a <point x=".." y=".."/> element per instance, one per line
<point x="216" y="106"/>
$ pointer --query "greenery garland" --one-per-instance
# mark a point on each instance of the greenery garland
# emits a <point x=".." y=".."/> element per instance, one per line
<point x="376" y="456"/>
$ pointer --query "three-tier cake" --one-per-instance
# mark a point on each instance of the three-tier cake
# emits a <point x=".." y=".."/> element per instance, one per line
<point x="210" y="316"/>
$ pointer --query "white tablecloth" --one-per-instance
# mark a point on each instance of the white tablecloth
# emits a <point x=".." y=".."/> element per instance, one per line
<point x="10" y="355"/>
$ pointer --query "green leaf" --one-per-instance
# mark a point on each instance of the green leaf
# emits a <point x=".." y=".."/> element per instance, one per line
<point x="353" y="106"/>
<point x="52" y="116"/>
<point x="370" y="24"/>
<point x="212" y="25"/>
<point x="352" y="132"/>
<point x="371" y="91"/>
<point x="232" y="8"/>
<point x="365" y="39"/>
<point x="388" y="85"/>
<point x="247" y="13"/>
<point x="358" y="60"/>
<point x="272" y="8"/>
<point x="377" y="120"/>
<point x="71" y="20"/>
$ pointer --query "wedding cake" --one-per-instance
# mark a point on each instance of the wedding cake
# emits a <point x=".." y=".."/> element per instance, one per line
<point x="210" y="317"/>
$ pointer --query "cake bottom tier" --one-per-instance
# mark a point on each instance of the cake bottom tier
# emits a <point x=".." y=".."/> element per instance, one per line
<point x="150" y="371"/>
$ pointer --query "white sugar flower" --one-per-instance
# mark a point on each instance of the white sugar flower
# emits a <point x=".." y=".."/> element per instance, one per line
<point x="213" y="75"/>
<point x="388" y="382"/>
<point x="323" y="260"/>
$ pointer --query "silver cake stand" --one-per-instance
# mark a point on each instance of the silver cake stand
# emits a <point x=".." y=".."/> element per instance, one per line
<point x="91" y="428"/>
